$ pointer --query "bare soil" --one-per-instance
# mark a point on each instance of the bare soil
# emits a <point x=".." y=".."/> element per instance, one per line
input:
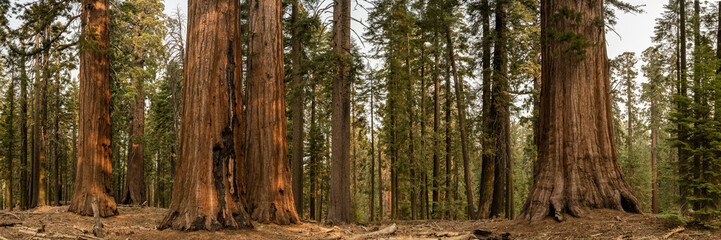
<point x="140" y="223"/>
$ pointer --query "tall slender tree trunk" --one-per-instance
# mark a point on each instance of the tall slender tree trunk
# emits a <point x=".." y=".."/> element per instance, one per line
<point x="436" y="129"/>
<point x="135" y="181"/>
<point x="629" y="137"/>
<point x="206" y="195"/>
<point x="93" y="188"/>
<point x="411" y="118"/>
<point x="11" y="141"/>
<point x="35" y="183"/>
<point x="353" y="163"/>
<point x="578" y="168"/>
<point x="696" y="141"/>
<point x="470" y="199"/>
<point x="424" y="171"/>
<point x="45" y="184"/>
<point x="56" y="133"/>
<point x="449" y="192"/>
<point x="501" y="112"/>
<point x="683" y="154"/>
<point x="487" y="165"/>
<point x="314" y="161"/>
<point x="380" y="187"/>
<point x="269" y="191"/>
<point x="371" y="201"/>
<point x="74" y="165"/>
<point x="24" y="183"/>
<point x="654" y="172"/>
<point x="297" y="105"/>
<point x="717" y="104"/>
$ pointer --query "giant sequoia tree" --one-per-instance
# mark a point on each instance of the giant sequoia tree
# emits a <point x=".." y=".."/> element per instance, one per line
<point x="269" y="191"/>
<point x="93" y="189"/>
<point x="577" y="167"/>
<point x="206" y="194"/>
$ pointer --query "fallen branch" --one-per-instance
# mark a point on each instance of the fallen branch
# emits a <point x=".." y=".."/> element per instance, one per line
<point x="82" y="230"/>
<point x="10" y="214"/>
<point x="386" y="231"/>
<point x="674" y="231"/>
<point x="327" y="230"/>
<point x="10" y="224"/>
<point x="57" y="235"/>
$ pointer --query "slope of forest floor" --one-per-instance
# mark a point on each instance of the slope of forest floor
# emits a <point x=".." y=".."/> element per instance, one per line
<point x="139" y="223"/>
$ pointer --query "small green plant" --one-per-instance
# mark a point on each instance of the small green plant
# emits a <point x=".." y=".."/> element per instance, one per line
<point x="677" y="217"/>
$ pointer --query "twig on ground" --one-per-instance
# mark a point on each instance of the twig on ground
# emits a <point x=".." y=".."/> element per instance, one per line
<point x="82" y="230"/>
<point x="674" y="231"/>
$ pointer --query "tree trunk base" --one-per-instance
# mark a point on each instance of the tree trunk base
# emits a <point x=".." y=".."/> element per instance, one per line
<point x="82" y="204"/>
<point x="555" y="197"/>
<point x="187" y="222"/>
<point x="269" y="213"/>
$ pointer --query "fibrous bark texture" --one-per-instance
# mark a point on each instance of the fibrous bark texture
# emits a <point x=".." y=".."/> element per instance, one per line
<point x="339" y="206"/>
<point x="269" y="192"/>
<point x="577" y="168"/>
<point x="205" y="193"/>
<point x="487" y="165"/>
<point x="135" y="180"/>
<point x="298" y="107"/>
<point x="500" y="111"/>
<point x="94" y="169"/>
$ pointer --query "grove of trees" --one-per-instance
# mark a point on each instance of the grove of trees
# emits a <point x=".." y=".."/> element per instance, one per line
<point x="285" y="111"/>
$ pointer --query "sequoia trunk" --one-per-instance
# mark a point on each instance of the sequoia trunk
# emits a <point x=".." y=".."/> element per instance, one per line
<point x="206" y="195"/>
<point x="94" y="169"/>
<point x="135" y="181"/>
<point x="577" y="168"/>
<point x="269" y="191"/>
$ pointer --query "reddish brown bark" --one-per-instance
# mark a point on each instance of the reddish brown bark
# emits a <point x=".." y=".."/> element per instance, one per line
<point x="135" y="180"/>
<point x="577" y="167"/>
<point x="94" y="169"/>
<point x="297" y="105"/>
<point x="205" y="193"/>
<point x="269" y="192"/>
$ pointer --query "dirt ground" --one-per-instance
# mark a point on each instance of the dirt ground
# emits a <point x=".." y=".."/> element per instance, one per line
<point x="139" y="223"/>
